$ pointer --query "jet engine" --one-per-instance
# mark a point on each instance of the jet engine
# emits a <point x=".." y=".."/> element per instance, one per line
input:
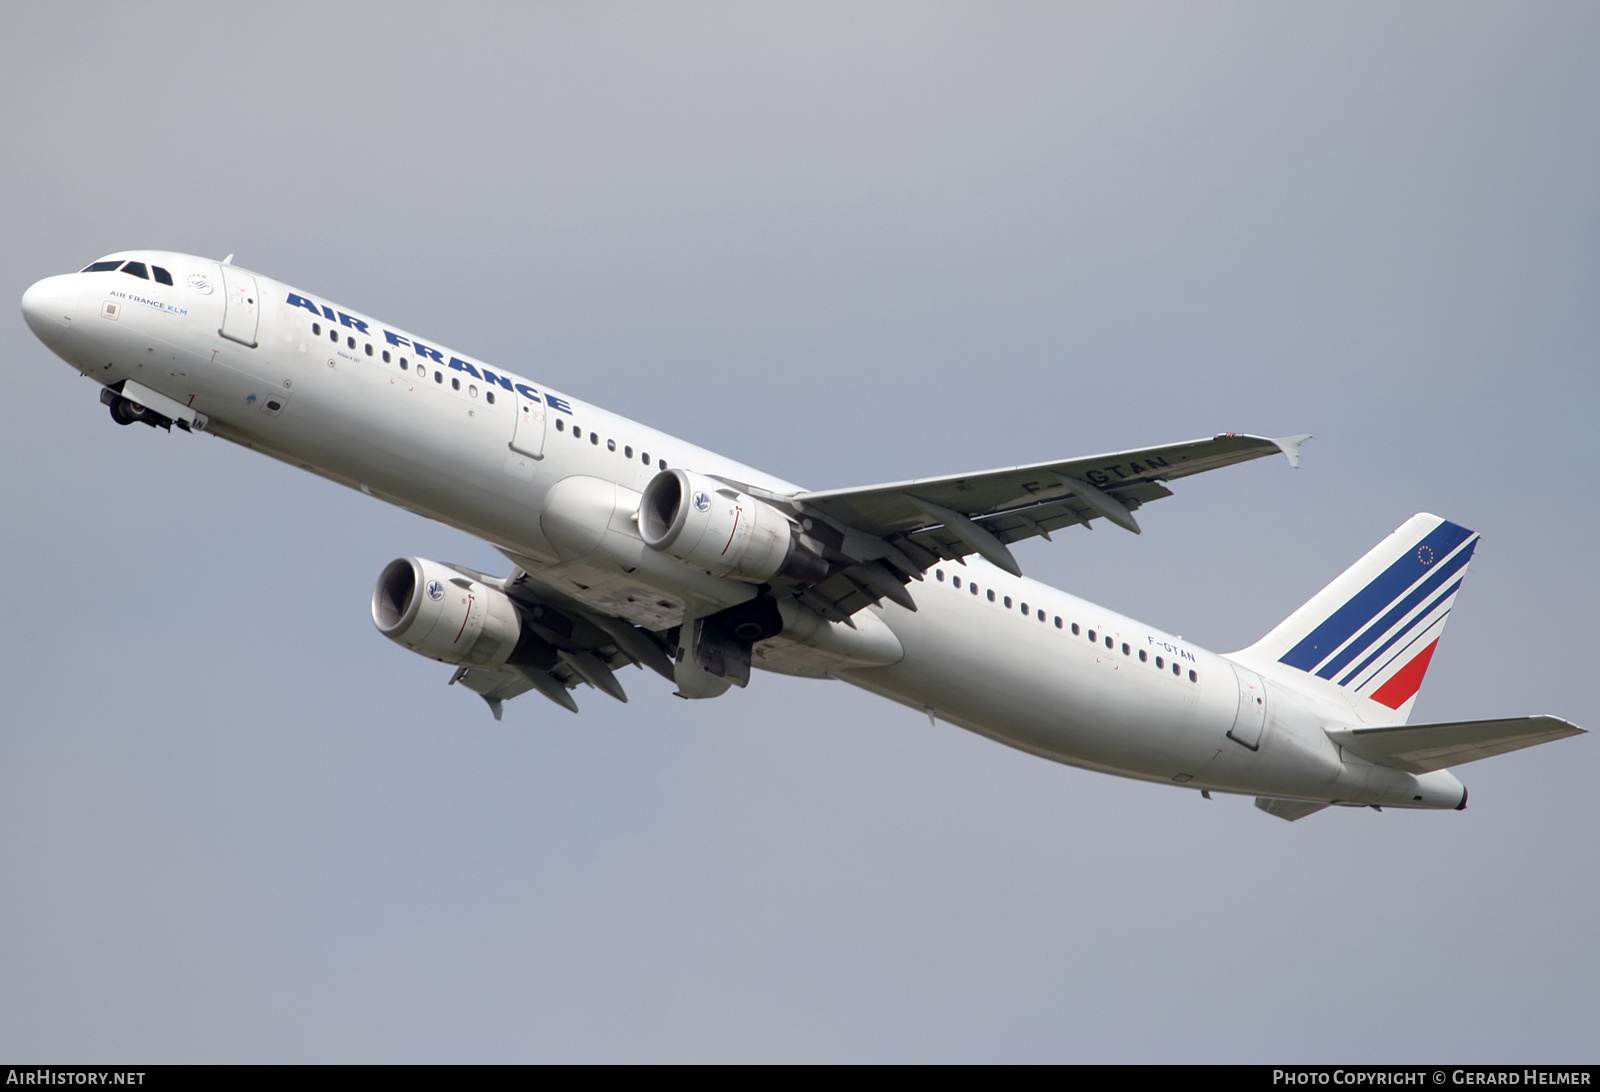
<point x="433" y="609"/>
<point x="714" y="527"/>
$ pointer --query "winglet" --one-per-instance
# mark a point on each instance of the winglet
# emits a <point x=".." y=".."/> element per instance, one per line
<point x="1290" y="446"/>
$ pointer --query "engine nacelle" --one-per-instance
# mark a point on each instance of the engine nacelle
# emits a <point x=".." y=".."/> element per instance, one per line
<point x="432" y="609"/>
<point x="715" y="528"/>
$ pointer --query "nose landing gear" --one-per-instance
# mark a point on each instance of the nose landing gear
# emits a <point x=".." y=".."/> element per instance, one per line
<point x="125" y="411"/>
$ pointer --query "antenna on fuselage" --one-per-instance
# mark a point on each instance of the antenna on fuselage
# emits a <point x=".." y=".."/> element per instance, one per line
<point x="228" y="260"/>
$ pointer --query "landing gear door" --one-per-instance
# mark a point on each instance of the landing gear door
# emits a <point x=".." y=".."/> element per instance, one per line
<point x="241" y="306"/>
<point x="1252" y="715"/>
<point x="528" y="436"/>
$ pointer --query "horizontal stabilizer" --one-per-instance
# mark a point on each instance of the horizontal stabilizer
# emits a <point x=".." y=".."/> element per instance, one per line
<point x="1288" y="809"/>
<point x="1422" y="748"/>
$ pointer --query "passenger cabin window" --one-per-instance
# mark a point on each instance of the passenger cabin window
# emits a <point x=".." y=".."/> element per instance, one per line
<point x="662" y="463"/>
<point x="1091" y="634"/>
<point x="1193" y="677"/>
<point x="594" y="438"/>
<point x="386" y="356"/>
<point x="350" y="341"/>
<point x="455" y="384"/>
<point x="316" y="329"/>
<point x="136" y="269"/>
<point x="611" y="445"/>
<point x="1143" y="656"/>
<point x="1074" y="629"/>
<point x="1176" y="670"/>
<point x="162" y="276"/>
<point x="1109" y="642"/>
<point x="488" y="396"/>
<point x="1008" y="601"/>
<point x="102" y="267"/>
<point x="561" y="426"/>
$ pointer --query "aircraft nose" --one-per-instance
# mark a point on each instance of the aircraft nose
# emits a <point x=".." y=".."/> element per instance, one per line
<point x="49" y="306"/>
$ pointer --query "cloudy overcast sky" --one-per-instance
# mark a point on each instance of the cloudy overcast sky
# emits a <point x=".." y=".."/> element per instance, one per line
<point x="847" y="243"/>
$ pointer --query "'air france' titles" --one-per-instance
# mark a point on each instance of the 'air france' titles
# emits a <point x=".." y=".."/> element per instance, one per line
<point x="426" y="352"/>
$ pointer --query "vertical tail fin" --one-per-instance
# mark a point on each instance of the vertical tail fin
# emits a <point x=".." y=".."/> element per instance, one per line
<point x="1369" y="636"/>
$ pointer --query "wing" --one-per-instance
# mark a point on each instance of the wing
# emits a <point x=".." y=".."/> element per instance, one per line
<point x="564" y="645"/>
<point x="873" y="542"/>
<point x="885" y="535"/>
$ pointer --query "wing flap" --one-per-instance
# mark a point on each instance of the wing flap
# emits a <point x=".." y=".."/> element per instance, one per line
<point x="1423" y="748"/>
<point x="1082" y="485"/>
<point x="498" y="685"/>
<point x="565" y="645"/>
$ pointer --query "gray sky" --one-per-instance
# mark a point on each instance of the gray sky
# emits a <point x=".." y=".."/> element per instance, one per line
<point x="848" y="244"/>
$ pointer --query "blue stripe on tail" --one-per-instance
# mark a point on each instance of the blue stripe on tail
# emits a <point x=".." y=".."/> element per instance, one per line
<point x="1407" y="628"/>
<point x="1363" y="607"/>
<point x="1441" y="573"/>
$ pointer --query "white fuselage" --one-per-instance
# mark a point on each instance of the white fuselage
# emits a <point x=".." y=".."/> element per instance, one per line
<point x="323" y="388"/>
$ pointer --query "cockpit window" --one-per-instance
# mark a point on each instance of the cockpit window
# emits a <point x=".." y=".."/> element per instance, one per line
<point x="103" y="267"/>
<point x="136" y="269"/>
<point x="162" y="276"/>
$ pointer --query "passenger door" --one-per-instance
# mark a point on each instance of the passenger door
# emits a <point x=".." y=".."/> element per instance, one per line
<point x="241" y="306"/>
<point x="527" y="437"/>
<point x="1252" y="714"/>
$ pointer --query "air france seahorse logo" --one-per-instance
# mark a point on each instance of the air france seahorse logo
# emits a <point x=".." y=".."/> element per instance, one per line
<point x="701" y="502"/>
<point x="435" y="590"/>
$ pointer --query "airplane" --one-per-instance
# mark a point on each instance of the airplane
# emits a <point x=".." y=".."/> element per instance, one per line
<point x="630" y="546"/>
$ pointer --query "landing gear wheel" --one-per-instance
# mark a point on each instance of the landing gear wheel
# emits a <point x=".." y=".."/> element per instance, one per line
<point x="124" y="412"/>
